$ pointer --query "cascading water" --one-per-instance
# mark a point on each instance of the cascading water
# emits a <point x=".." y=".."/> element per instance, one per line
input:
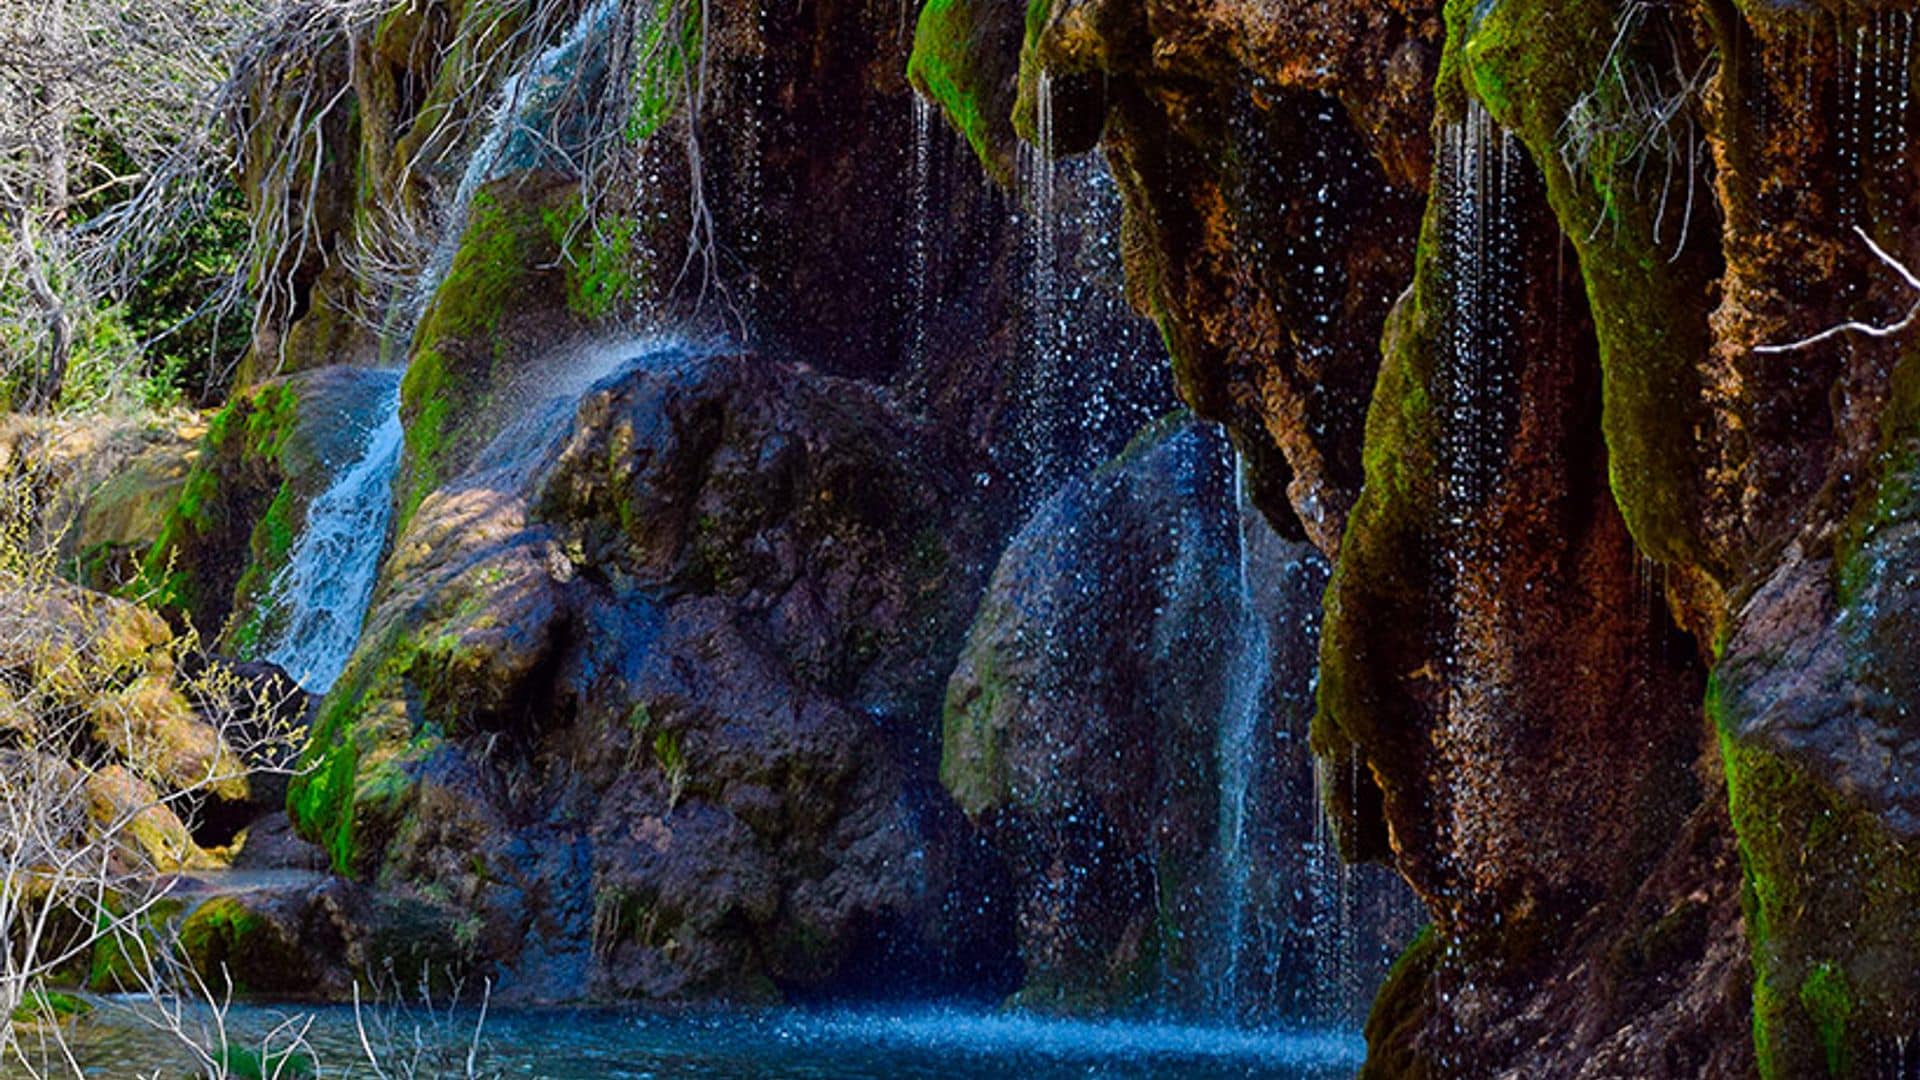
<point x="1092" y="373"/>
<point x="319" y="598"/>
<point x="321" y="594"/>
<point x="1479" y="165"/>
<point x="921" y="256"/>
<point x="1039" y="182"/>
<point x="1875" y="96"/>
<point x="518" y="131"/>
<point x="1236" y="756"/>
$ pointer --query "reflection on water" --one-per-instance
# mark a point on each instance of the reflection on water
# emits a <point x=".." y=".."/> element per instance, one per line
<point x="881" y="1045"/>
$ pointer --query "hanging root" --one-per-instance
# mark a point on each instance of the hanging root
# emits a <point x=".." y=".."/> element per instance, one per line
<point x="1869" y="329"/>
<point x="1638" y="110"/>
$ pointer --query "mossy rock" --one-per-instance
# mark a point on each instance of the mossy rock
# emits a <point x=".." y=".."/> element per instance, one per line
<point x="1066" y="44"/>
<point x="504" y="302"/>
<point x="1550" y="72"/>
<point x="203" y="551"/>
<point x="230" y="942"/>
<point x="966" y="60"/>
<point x="1382" y="567"/>
<point x="1830" y="896"/>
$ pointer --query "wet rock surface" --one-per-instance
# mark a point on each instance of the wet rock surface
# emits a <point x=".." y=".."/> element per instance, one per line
<point x="1090" y="724"/>
<point x="1580" y="433"/>
<point x="654" y="717"/>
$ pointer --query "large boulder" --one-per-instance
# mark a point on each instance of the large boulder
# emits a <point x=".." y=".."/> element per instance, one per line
<point x="646" y="694"/>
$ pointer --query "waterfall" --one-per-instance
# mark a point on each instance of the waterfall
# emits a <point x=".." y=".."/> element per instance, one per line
<point x="1875" y="95"/>
<point x="1478" y="168"/>
<point x="516" y="134"/>
<point x="1047" y="422"/>
<point x="1091" y="372"/>
<point x="1330" y="896"/>
<point x="319" y="598"/>
<point x="1236" y="754"/>
<point x="321" y="593"/>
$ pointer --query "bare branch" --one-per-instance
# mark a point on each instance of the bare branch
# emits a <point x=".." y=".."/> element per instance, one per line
<point x="1855" y="327"/>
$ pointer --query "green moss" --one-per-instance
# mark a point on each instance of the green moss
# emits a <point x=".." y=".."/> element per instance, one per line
<point x="271" y="545"/>
<point x="242" y="450"/>
<point x="506" y="251"/>
<point x="1829" y="898"/>
<point x="667" y="47"/>
<point x="354" y="784"/>
<point x="48" y="1006"/>
<point x="426" y="397"/>
<point x="957" y="63"/>
<point x="673" y="764"/>
<point x="1399" y="1013"/>
<point x="1547" y="71"/>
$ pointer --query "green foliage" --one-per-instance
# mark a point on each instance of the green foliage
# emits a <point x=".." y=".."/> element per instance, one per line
<point x="167" y="340"/>
<point x="192" y="340"/>
<point x="667" y="50"/>
<point x="48" y="1006"/>
<point x="245" y="1063"/>
<point x="248" y="1063"/>
<point x="673" y="764"/>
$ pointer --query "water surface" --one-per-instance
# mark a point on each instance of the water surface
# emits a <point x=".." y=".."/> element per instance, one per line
<point x="847" y="1045"/>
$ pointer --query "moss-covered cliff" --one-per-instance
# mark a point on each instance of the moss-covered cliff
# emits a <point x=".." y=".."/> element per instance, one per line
<point x="1585" y="477"/>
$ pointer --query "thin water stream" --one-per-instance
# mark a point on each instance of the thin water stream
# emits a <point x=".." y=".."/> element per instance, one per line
<point x="321" y="593"/>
